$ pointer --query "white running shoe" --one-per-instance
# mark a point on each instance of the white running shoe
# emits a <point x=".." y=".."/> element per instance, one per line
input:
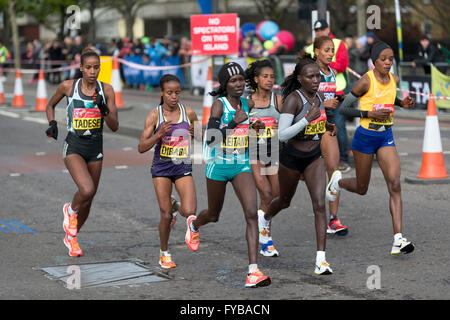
<point x="323" y="269"/>
<point x="333" y="186"/>
<point x="264" y="232"/>
<point x="402" y="246"/>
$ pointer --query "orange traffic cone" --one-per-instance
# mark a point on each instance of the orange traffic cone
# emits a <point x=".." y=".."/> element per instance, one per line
<point x="207" y="98"/>
<point x="433" y="164"/>
<point x="116" y="84"/>
<point x="18" y="99"/>
<point x="41" y="96"/>
<point x="2" y="92"/>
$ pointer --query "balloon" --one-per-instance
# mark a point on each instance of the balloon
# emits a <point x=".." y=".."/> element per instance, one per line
<point x="258" y="28"/>
<point x="248" y="28"/>
<point x="145" y="40"/>
<point x="268" y="29"/>
<point x="286" y="38"/>
<point x="268" y="44"/>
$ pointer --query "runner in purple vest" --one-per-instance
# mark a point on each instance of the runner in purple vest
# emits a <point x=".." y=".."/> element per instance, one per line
<point x="169" y="128"/>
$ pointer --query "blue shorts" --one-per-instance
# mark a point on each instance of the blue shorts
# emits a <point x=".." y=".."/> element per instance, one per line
<point x="369" y="141"/>
<point x="225" y="171"/>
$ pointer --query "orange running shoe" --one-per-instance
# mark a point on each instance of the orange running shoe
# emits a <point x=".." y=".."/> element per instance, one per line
<point x="192" y="238"/>
<point x="70" y="223"/>
<point x="165" y="261"/>
<point x="72" y="245"/>
<point x="257" y="279"/>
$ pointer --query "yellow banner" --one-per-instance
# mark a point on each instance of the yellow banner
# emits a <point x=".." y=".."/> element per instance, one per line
<point x="440" y="87"/>
<point x="105" y="69"/>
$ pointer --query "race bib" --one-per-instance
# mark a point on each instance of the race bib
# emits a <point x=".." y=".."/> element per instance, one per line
<point x="268" y="130"/>
<point x="86" y="119"/>
<point x="317" y="126"/>
<point x="238" y="138"/>
<point x="389" y="121"/>
<point x="174" y="147"/>
<point x="328" y="89"/>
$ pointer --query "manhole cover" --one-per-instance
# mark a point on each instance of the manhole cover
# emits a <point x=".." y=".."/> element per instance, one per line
<point x="106" y="274"/>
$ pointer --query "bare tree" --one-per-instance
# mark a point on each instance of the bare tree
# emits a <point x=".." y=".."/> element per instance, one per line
<point x="128" y="9"/>
<point x="273" y="10"/>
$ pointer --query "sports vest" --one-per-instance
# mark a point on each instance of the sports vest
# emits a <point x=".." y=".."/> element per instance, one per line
<point x="316" y="128"/>
<point x="379" y="96"/>
<point x="83" y="116"/>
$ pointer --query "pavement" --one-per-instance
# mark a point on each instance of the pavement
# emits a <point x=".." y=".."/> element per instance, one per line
<point x="123" y="225"/>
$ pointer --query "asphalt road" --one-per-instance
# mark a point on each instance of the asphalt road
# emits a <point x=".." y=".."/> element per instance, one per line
<point x="124" y="220"/>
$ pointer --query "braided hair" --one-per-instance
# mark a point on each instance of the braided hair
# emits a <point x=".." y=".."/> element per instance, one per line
<point x="253" y="71"/>
<point x="291" y="83"/>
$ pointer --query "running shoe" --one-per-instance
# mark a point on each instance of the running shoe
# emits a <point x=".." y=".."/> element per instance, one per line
<point x="192" y="238"/>
<point x="70" y="223"/>
<point x="257" y="279"/>
<point x="165" y="261"/>
<point x="333" y="186"/>
<point x="72" y="245"/>
<point x="402" y="246"/>
<point x="323" y="269"/>
<point x="268" y="249"/>
<point x="173" y="201"/>
<point x="336" y="227"/>
<point x="264" y="232"/>
<point x="344" y="167"/>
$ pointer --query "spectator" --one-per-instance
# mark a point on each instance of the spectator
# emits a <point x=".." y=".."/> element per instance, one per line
<point x="445" y="52"/>
<point x="155" y="50"/>
<point x="427" y="53"/>
<point x="365" y="55"/>
<point x="137" y="48"/>
<point x="66" y="50"/>
<point x="354" y="49"/>
<point x="77" y="47"/>
<point x="37" y="57"/>
<point x="4" y="55"/>
<point x="185" y="51"/>
<point x="114" y="48"/>
<point x="56" y="54"/>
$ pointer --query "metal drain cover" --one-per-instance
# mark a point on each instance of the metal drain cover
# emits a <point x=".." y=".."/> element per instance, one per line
<point x="106" y="274"/>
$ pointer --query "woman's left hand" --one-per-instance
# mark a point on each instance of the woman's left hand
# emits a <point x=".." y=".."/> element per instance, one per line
<point x="332" y="128"/>
<point x="408" y="103"/>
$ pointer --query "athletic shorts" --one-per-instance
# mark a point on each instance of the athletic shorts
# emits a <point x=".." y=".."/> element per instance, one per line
<point x="298" y="160"/>
<point x="369" y="141"/>
<point x="175" y="177"/>
<point x="224" y="171"/>
<point x="89" y="148"/>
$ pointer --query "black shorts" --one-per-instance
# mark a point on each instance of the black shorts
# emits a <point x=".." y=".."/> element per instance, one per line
<point x="176" y="177"/>
<point x="298" y="160"/>
<point x="89" y="148"/>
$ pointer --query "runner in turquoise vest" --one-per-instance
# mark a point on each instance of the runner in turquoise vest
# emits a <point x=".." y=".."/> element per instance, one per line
<point x="226" y="153"/>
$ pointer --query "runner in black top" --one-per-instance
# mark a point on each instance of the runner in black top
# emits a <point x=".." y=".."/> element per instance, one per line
<point x="90" y="102"/>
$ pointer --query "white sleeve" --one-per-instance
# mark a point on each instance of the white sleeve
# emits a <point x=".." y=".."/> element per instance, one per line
<point x="286" y="130"/>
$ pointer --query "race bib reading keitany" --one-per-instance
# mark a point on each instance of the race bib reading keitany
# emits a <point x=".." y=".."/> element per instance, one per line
<point x="237" y="139"/>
